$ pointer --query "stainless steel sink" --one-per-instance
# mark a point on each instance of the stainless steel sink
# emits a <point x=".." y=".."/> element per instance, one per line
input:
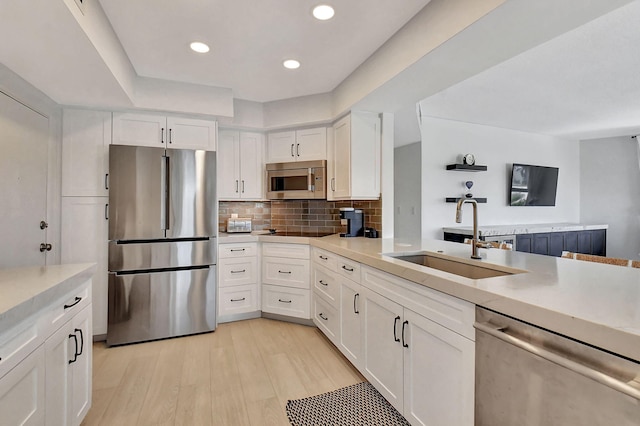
<point x="452" y="266"/>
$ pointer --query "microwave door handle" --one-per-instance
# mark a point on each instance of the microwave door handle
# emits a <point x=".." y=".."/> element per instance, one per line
<point x="310" y="180"/>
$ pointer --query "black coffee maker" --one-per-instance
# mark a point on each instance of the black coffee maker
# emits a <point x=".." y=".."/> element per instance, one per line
<point x="354" y="219"/>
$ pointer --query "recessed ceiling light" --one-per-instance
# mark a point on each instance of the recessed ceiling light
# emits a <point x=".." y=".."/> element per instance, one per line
<point x="199" y="47"/>
<point x="323" y="12"/>
<point x="292" y="64"/>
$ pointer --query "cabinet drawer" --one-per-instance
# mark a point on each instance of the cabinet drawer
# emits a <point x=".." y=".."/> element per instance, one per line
<point x="289" y="251"/>
<point x="18" y="342"/>
<point x="325" y="258"/>
<point x="239" y="271"/>
<point x="349" y="269"/>
<point x="326" y="283"/>
<point x="293" y="302"/>
<point x="286" y="272"/>
<point x="237" y="300"/>
<point x="237" y="250"/>
<point x="64" y="309"/>
<point x="326" y="318"/>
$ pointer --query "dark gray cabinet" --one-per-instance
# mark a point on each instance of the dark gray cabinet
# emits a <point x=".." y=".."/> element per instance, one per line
<point x="554" y="243"/>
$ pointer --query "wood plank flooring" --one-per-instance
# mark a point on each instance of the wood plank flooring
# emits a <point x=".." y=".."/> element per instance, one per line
<point x="241" y="374"/>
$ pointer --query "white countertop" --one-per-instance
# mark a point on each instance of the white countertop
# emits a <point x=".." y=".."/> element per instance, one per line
<point x="24" y="291"/>
<point x="595" y="303"/>
<point x="262" y="236"/>
<point x="531" y="228"/>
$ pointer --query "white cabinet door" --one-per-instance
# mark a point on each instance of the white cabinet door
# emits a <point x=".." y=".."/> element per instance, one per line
<point x="438" y="374"/>
<point x="311" y="144"/>
<point x="139" y="129"/>
<point x="81" y="379"/>
<point x="251" y="166"/>
<point x="281" y="147"/>
<point x="86" y="136"/>
<point x="228" y="163"/>
<point x="189" y="133"/>
<point x="383" y="351"/>
<point x="351" y="324"/>
<point x="84" y="239"/>
<point x="22" y="392"/>
<point x="339" y="185"/>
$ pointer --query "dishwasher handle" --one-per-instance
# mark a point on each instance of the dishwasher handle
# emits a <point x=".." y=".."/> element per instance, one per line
<point x="600" y="377"/>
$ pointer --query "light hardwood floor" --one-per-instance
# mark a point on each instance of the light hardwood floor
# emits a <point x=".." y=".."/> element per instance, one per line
<point x="241" y="374"/>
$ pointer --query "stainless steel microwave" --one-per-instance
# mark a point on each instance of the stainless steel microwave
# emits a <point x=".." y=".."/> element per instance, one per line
<point x="299" y="180"/>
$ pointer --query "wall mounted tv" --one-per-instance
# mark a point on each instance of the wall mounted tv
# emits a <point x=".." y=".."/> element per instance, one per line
<point x="533" y="185"/>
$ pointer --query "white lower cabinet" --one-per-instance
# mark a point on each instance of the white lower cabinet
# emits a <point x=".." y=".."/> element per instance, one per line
<point x="288" y="301"/>
<point x="239" y="287"/>
<point x="45" y="364"/>
<point x="414" y="344"/>
<point x="285" y="278"/>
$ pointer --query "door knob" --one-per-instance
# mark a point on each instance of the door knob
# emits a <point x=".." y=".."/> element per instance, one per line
<point x="45" y="247"/>
<point x="43" y="224"/>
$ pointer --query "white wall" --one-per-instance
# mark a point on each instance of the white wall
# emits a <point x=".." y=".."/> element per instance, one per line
<point x="444" y="141"/>
<point x="610" y="192"/>
<point x="407" y="188"/>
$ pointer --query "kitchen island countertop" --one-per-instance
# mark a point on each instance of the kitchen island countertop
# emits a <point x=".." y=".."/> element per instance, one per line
<point x="595" y="303"/>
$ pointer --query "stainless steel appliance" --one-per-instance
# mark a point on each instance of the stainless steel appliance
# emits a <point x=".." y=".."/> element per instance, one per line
<point x="297" y="180"/>
<point x="354" y="219"/>
<point x="162" y="250"/>
<point x="239" y="224"/>
<point x="526" y="375"/>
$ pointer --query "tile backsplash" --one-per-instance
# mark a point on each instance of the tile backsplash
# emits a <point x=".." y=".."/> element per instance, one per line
<point x="308" y="216"/>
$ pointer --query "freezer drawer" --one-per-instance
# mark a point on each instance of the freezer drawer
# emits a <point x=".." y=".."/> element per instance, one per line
<point x="125" y="256"/>
<point x="149" y="306"/>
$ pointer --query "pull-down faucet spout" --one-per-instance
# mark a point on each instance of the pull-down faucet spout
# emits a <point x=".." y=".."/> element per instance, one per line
<point x="474" y="241"/>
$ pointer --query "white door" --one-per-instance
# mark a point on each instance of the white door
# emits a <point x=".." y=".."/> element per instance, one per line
<point x="339" y="185"/>
<point x="438" y="374"/>
<point x="23" y="183"/>
<point x="84" y="239"/>
<point x="251" y="165"/>
<point x="86" y="136"/>
<point x="351" y="315"/>
<point x="311" y="144"/>
<point x="140" y="129"/>
<point x="383" y="351"/>
<point x="189" y="133"/>
<point x="228" y="165"/>
<point x="22" y="392"/>
<point x="281" y="147"/>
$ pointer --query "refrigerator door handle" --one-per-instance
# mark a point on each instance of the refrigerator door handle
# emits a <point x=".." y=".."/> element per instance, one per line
<point x="164" y="194"/>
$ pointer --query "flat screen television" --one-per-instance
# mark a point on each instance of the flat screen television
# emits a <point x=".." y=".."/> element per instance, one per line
<point x="533" y="185"/>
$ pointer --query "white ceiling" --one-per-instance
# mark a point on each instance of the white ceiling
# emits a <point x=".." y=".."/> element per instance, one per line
<point x="249" y="40"/>
<point x="583" y="84"/>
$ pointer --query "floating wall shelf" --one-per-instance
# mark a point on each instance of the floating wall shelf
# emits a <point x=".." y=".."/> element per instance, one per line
<point x="455" y="200"/>
<point x="466" y="168"/>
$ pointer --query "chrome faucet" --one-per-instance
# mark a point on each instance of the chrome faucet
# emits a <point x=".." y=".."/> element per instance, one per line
<point x="474" y="241"/>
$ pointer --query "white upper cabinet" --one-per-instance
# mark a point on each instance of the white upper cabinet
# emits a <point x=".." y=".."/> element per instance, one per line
<point x="298" y="145"/>
<point x="85" y="152"/>
<point x="353" y="164"/>
<point x="162" y="131"/>
<point x="240" y="165"/>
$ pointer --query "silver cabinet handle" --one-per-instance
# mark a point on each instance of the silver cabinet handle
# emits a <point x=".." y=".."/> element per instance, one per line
<point x="321" y="315"/>
<point x="323" y="283"/>
<point x="238" y="272"/>
<point x="239" y="300"/>
<point x="598" y="376"/>
<point x="333" y="184"/>
<point x="284" y="272"/>
<point x="284" y="301"/>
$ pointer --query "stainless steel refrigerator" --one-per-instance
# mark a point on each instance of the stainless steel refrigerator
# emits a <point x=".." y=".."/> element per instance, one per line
<point x="163" y="224"/>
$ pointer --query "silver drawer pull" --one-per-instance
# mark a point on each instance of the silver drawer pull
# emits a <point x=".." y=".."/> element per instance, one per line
<point x="239" y="300"/>
<point x="321" y="315"/>
<point x="323" y="258"/>
<point x="284" y="301"/>
<point x="347" y="269"/>
<point x="238" y="249"/>
<point x="323" y="283"/>
<point x="238" y="272"/>
<point x="284" y="272"/>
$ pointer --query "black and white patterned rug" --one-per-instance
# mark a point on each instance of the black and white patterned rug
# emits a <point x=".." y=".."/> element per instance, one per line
<point x="356" y="405"/>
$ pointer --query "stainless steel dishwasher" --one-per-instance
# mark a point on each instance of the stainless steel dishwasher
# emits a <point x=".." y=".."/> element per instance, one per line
<point x="529" y="376"/>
